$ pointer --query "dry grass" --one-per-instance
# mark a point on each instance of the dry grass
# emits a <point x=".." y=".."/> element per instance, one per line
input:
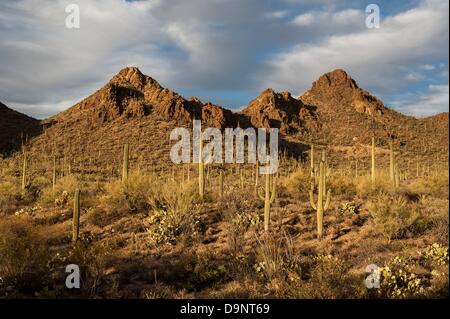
<point x="152" y="236"/>
<point x="24" y="256"/>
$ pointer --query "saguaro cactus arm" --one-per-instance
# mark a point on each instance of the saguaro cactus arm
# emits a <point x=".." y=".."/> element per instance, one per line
<point x="328" y="200"/>
<point x="273" y="191"/>
<point x="311" y="199"/>
<point x="261" y="193"/>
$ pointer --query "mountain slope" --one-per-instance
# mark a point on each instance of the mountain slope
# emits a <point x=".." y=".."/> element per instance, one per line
<point x="15" y="127"/>
<point x="134" y="108"/>
<point x="130" y="94"/>
<point x="279" y="110"/>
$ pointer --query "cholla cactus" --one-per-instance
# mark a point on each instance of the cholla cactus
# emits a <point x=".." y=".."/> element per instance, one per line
<point x="267" y="194"/>
<point x="320" y="207"/>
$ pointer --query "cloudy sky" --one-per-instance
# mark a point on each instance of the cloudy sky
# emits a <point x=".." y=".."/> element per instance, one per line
<point x="224" y="51"/>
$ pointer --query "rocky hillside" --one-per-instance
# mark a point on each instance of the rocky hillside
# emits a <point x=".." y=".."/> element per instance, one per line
<point x="134" y="108"/>
<point x="130" y="94"/>
<point x="349" y="116"/>
<point x="15" y="127"/>
<point x="280" y="110"/>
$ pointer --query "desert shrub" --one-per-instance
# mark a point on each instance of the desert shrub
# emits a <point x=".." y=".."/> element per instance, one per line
<point x="99" y="217"/>
<point x="23" y="256"/>
<point x="173" y="212"/>
<point x="435" y="185"/>
<point x="92" y="258"/>
<point x="173" y="196"/>
<point x="365" y="189"/>
<point x="440" y="227"/>
<point x="436" y="253"/>
<point x="237" y="226"/>
<point x="238" y="202"/>
<point x="398" y="279"/>
<point x="239" y="212"/>
<point x="131" y="194"/>
<point x="165" y="226"/>
<point x="162" y="291"/>
<point x="10" y="193"/>
<point x="342" y="185"/>
<point x="62" y="193"/>
<point x="324" y="277"/>
<point x="296" y="184"/>
<point x="276" y="258"/>
<point x="205" y="271"/>
<point x="394" y="216"/>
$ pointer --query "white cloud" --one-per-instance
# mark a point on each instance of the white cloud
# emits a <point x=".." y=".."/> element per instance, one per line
<point x="427" y="67"/>
<point x="277" y="14"/>
<point x="351" y="17"/>
<point x="223" y="46"/>
<point x="379" y="59"/>
<point x="435" y="100"/>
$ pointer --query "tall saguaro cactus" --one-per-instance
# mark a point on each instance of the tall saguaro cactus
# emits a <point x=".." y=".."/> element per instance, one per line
<point x="311" y="157"/>
<point x="24" y="171"/>
<point x="54" y="172"/>
<point x="372" y="175"/>
<point x="241" y="178"/>
<point x="76" y="216"/>
<point x="201" y="170"/>
<point x="126" y="150"/>
<point x="397" y="175"/>
<point x="417" y="166"/>
<point x="391" y="163"/>
<point x="267" y="194"/>
<point x="256" y="176"/>
<point x="221" y="183"/>
<point x="320" y="207"/>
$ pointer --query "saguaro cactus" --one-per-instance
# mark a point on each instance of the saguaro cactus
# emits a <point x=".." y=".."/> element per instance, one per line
<point x="417" y="166"/>
<point x="201" y="170"/>
<point x="54" y="172"/>
<point x="221" y="183"/>
<point x="391" y="162"/>
<point x="241" y="177"/>
<point x="24" y="171"/>
<point x="126" y="150"/>
<point x="267" y="194"/>
<point x="76" y="216"/>
<point x="397" y="174"/>
<point x="372" y="175"/>
<point x="256" y="176"/>
<point x="320" y="207"/>
<point x="311" y="157"/>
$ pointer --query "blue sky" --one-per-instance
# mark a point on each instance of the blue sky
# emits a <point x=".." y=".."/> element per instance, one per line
<point x="223" y="51"/>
